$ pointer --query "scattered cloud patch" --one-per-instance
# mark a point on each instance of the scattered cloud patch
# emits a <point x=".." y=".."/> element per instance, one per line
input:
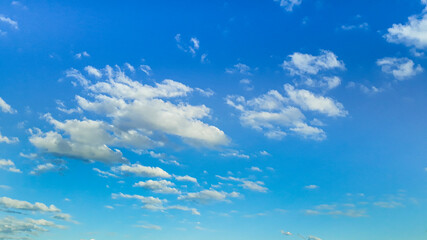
<point x="8" y="165"/>
<point x="289" y="5"/>
<point x="400" y="68"/>
<point x="6" y="108"/>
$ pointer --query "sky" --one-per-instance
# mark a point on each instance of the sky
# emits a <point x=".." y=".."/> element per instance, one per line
<point x="188" y="120"/>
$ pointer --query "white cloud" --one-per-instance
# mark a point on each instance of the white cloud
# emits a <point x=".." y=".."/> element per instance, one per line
<point x="207" y="196"/>
<point x="255" y="169"/>
<point x="285" y="233"/>
<point x="234" y="153"/>
<point x="93" y="71"/>
<point x="239" y="68"/>
<point x="412" y="34"/>
<point x="311" y="187"/>
<point x="141" y="171"/>
<point x="153" y="227"/>
<point x="43" y="168"/>
<point x="185" y="178"/>
<point x="12" y="228"/>
<point x="363" y="26"/>
<point x="146" y="69"/>
<point x="23" y="205"/>
<point x="9" y="21"/>
<point x="6" y="108"/>
<point x="246" y="184"/>
<point x="8" y="165"/>
<point x="264" y="153"/>
<point x="4" y="139"/>
<point x="150" y="203"/>
<point x="184" y="208"/>
<point x="132" y="105"/>
<point x="400" y="68"/>
<point x="289" y="5"/>
<point x="273" y="113"/>
<point x="162" y="186"/>
<point x="303" y="64"/>
<point x="130" y="67"/>
<point x="81" y="54"/>
<point x="104" y="174"/>
<point x="192" y="47"/>
<point x="309" y="101"/>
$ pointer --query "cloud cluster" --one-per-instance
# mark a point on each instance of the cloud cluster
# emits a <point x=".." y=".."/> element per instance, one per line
<point x="289" y="5"/>
<point x="400" y="68"/>
<point x="208" y="196"/>
<point x="4" y="139"/>
<point x="142" y="116"/>
<point x="257" y="186"/>
<point x="8" y="165"/>
<point x="162" y="186"/>
<point x="12" y="228"/>
<point x="6" y="108"/>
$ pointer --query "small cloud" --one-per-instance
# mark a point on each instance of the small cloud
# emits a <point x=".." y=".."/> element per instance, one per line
<point x="239" y="68"/>
<point x="311" y="187"/>
<point x="81" y="55"/>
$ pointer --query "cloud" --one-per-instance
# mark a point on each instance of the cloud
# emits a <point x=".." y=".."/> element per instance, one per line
<point x="43" y="168"/>
<point x="193" y="211"/>
<point x="255" y="169"/>
<point x="153" y="227"/>
<point x="391" y="204"/>
<point x="146" y="110"/>
<point x="162" y="186"/>
<point x="93" y="71"/>
<point x="311" y="187"/>
<point x="309" y="101"/>
<point x="246" y="184"/>
<point x="235" y="153"/>
<point x="185" y="178"/>
<point x="141" y="171"/>
<point x="239" y="68"/>
<point x="273" y="113"/>
<point x="81" y="55"/>
<point x="6" y="108"/>
<point x="285" y="233"/>
<point x="146" y="69"/>
<point x="303" y="64"/>
<point x="289" y="5"/>
<point x="192" y="47"/>
<point x="208" y="196"/>
<point x="4" y="139"/>
<point x="151" y="203"/>
<point x="412" y="34"/>
<point x="104" y="174"/>
<point x="12" y="228"/>
<point x="400" y="68"/>
<point x="23" y="205"/>
<point x="9" y="21"/>
<point x="337" y="210"/>
<point x="264" y="153"/>
<point x="8" y="165"/>
<point x="363" y="26"/>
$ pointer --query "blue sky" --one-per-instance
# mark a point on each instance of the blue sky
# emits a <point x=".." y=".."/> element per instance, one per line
<point x="286" y="119"/>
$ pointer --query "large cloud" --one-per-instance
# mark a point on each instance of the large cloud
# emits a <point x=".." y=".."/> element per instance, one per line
<point x="8" y="203"/>
<point x="142" y="116"/>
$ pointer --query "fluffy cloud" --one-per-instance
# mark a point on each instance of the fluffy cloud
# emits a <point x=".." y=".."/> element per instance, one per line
<point x="42" y="168"/>
<point x="192" y="47"/>
<point x="412" y="34"/>
<point x="289" y="5"/>
<point x="141" y="171"/>
<point x="185" y="178"/>
<point x="144" y="108"/>
<point x="4" y="139"/>
<point x="273" y="113"/>
<point x="6" y="108"/>
<point x="23" y="205"/>
<point x="162" y="186"/>
<point x="309" y="101"/>
<point x="8" y="165"/>
<point x="150" y="203"/>
<point x="400" y="68"/>
<point x="104" y="174"/>
<point x="302" y="64"/>
<point x="208" y="196"/>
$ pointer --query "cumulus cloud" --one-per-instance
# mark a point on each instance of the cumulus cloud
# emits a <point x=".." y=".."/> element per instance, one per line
<point x="309" y="101"/>
<point x="81" y="55"/>
<point x="43" y="168"/>
<point x="10" y="203"/>
<point x="151" y="203"/>
<point x="412" y="34"/>
<point x="162" y="186"/>
<point x="8" y="165"/>
<point x="185" y="178"/>
<point x="93" y="71"/>
<point x="302" y="64"/>
<point x="6" y="108"/>
<point x="141" y="171"/>
<point x="4" y="139"/>
<point x="104" y="174"/>
<point x="400" y="68"/>
<point x="289" y="5"/>
<point x="273" y="113"/>
<point x="208" y="196"/>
